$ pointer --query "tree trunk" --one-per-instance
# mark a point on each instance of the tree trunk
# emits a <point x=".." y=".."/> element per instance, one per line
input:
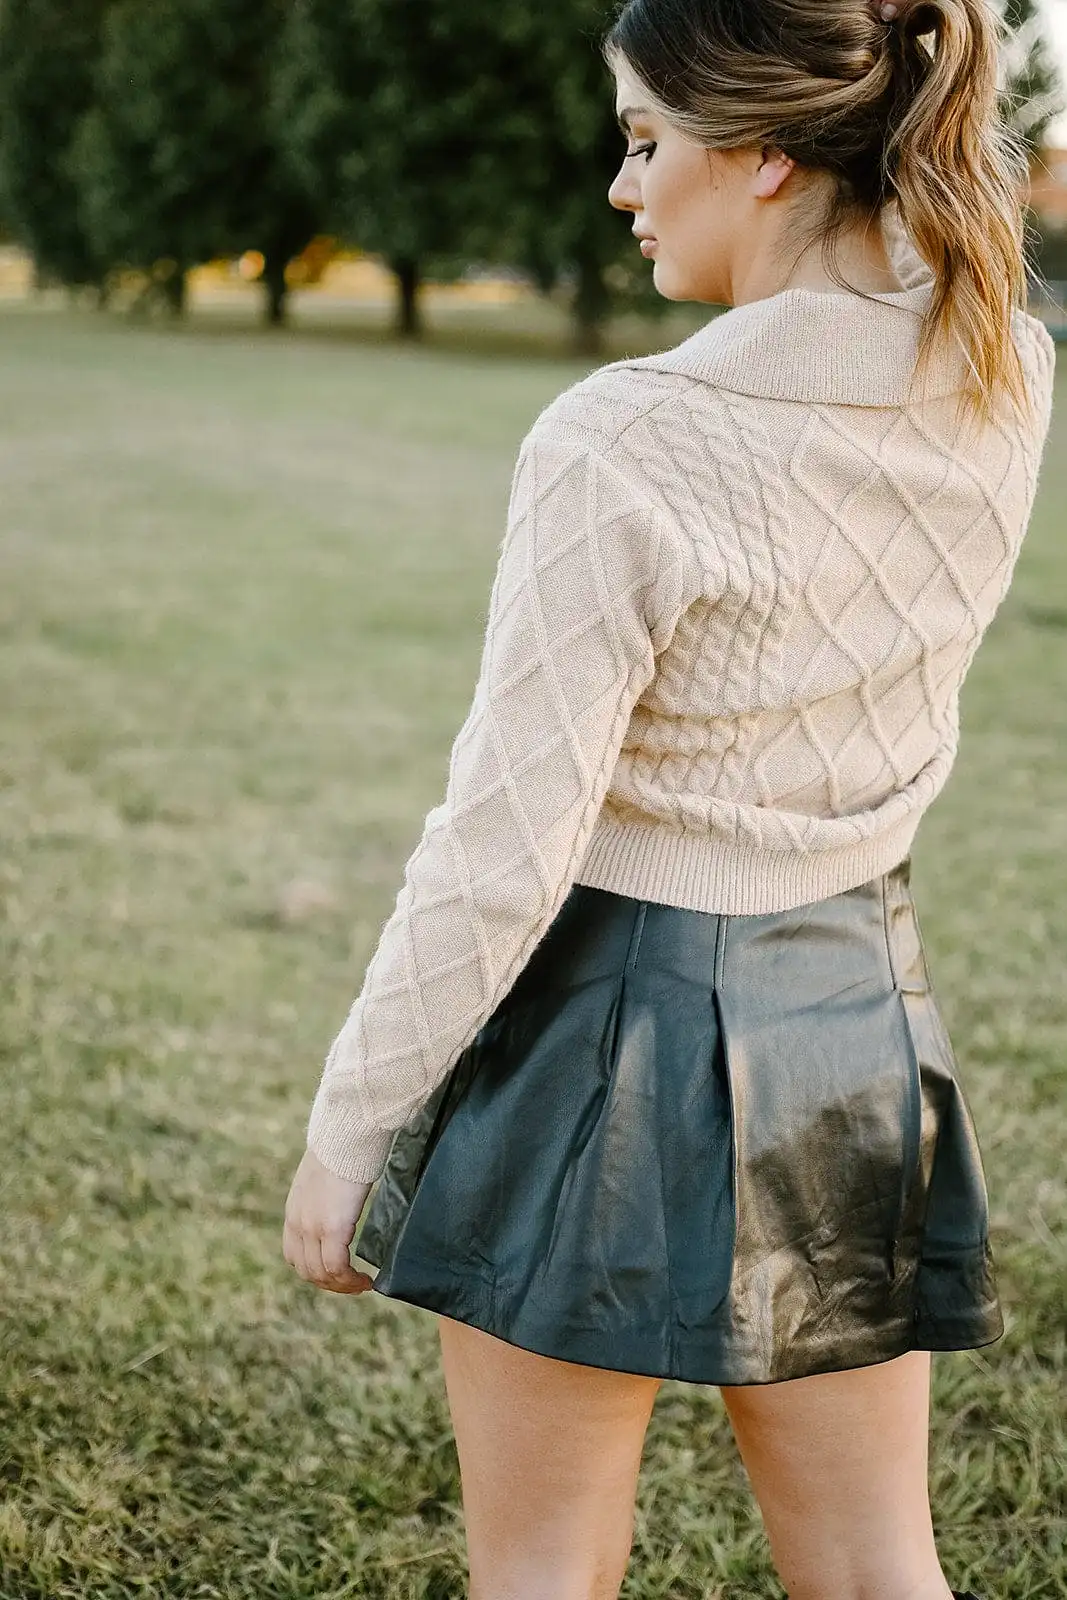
<point x="408" y="280"/>
<point x="175" y="291"/>
<point x="591" y="303"/>
<point x="277" y="290"/>
<point x="543" y="271"/>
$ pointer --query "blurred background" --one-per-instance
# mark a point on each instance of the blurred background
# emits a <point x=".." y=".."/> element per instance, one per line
<point x="282" y="285"/>
<point x="298" y="159"/>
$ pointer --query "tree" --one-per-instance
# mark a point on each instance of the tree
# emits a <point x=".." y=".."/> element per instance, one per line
<point x="179" y="157"/>
<point x="564" y="214"/>
<point x="432" y="132"/>
<point x="397" y="112"/>
<point x="48" y="49"/>
<point x="1033" y="87"/>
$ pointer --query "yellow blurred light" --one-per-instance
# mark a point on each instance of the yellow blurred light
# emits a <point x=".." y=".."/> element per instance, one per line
<point x="251" y="265"/>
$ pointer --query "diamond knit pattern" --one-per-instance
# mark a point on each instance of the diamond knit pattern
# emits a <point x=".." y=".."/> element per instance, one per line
<point x="735" y="602"/>
<point x="590" y="577"/>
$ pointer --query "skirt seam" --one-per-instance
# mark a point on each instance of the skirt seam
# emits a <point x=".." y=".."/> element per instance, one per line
<point x="894" y="978"/>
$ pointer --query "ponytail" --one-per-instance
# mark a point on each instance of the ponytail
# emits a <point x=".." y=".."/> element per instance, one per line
<point x="959" y="173"/>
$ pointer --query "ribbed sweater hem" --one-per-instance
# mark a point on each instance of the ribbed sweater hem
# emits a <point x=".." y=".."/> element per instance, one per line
<point x="678" y="868"/>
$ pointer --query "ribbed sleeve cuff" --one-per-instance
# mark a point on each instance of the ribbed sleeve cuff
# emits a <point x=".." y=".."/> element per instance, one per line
<point x="344" y="1144"/>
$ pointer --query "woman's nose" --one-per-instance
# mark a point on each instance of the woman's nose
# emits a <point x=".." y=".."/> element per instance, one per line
<point x="624" y="194"/>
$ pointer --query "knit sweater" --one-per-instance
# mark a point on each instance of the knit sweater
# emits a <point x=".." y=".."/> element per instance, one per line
<point x="740" y="586"/>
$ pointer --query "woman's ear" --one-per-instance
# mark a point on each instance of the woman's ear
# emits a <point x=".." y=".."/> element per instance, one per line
<point x="774" y="168"/>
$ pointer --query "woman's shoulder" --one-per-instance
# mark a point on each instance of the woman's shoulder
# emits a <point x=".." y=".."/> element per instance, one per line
<point x="659" y="438"/>
<point x="616" y="409"/>
<point x="1037" y="352"/>
<point x="1035" y="344"/>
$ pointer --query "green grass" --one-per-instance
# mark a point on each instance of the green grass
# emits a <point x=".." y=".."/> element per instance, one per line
<point x="245" y="579"/>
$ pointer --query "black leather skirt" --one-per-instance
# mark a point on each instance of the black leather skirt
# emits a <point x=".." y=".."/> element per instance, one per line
<point x="726" y="1149"/>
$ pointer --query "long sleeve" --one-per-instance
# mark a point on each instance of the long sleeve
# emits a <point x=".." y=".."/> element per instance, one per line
<point x="590" y="582"/>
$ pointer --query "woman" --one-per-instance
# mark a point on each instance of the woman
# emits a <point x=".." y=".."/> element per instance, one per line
<point x="647" y="1058"/>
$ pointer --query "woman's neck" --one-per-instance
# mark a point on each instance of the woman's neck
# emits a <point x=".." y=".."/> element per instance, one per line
<point x="862" y="261"/>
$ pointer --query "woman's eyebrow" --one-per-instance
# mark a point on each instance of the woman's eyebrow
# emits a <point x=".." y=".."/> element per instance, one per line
<point x="627" y="114"/>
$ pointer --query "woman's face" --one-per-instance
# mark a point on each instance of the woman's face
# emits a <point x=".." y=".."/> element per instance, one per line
<point x="701" y="207"/>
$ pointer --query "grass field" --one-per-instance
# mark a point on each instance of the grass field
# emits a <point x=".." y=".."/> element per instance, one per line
<point x="245" y="580"/>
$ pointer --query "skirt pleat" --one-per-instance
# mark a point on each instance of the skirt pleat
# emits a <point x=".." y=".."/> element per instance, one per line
<point x="725" y="1149"/>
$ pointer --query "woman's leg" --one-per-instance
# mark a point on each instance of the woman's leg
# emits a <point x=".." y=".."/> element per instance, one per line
<point x="838" y="1463"/>
<point x="549" y="1453"/>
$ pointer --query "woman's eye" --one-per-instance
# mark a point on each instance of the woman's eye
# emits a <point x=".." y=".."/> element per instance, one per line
<point x="642" y="150"/>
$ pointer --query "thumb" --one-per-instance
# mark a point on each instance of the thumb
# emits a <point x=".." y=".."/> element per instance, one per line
<point x="338" y="1266"/>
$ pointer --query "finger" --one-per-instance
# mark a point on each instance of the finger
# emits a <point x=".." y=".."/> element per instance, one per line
<point x="293" y="1249"/>
<point x="337" y="1269"/>
<point x="338" y="1264"/>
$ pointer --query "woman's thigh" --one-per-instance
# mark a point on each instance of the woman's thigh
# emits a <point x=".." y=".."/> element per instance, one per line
<point x="549" y="1453"/>
<point x="838" y="1463"/>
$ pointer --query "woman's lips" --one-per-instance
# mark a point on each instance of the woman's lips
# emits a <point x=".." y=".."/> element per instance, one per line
<point x="648" y="247"/>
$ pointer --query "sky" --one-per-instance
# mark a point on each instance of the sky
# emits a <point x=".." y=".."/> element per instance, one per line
<point x="1056" y="12"/>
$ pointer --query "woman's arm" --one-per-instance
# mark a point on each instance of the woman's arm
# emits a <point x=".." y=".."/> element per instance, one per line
<point x="590" y="583"/>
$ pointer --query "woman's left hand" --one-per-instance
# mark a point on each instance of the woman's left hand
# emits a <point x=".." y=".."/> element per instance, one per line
<point x="321" y="1213"/>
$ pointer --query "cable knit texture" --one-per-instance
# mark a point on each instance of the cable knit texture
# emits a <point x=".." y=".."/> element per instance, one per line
<point x="739" y="589"/>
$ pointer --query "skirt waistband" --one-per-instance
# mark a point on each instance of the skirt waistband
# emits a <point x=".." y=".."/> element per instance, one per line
<point x="597" y="934"/>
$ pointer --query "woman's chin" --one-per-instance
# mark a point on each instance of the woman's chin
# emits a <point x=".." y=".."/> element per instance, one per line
<point x="664" y="281"/>
<point x="676" y="286"/>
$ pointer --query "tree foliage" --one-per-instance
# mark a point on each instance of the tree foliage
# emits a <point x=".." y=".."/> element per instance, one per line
<point x="565" y="217"/>
<point x="434" y="133"/>
<point x="1033" y="84"/>
<point x="180" y="157"/>
<point x="405" y="119"/>
<point x="48" y="50"/>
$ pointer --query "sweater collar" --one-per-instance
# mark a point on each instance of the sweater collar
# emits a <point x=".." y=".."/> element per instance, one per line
<point x="818" y="346"/>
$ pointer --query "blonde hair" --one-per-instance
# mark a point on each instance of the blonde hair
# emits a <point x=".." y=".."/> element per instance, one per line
<point x="906" y="110"/>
